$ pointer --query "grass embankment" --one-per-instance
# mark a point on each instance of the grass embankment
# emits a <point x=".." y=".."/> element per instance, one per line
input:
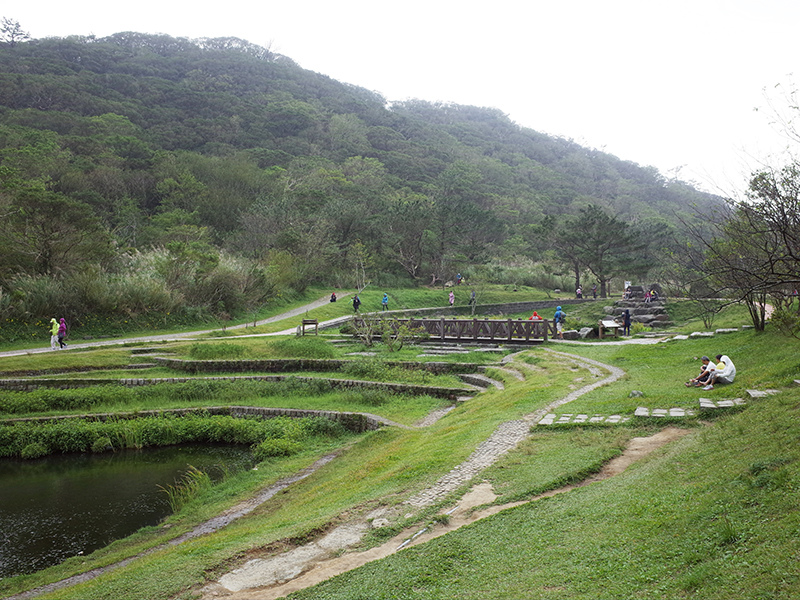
<point x="725" y="496"/>
<point x="37" y="335"/>
<point x="717" y="515"/>
<point x="384" y="467"/>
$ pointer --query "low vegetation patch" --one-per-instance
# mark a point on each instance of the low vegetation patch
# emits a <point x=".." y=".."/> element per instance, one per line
<point x="30" y="439"/>
<point x="218" y="351"/>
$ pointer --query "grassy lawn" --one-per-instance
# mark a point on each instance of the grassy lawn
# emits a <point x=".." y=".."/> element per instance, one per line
<point x="714" y="515"/>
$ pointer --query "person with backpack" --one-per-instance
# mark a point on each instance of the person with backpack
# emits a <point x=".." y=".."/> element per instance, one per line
<point x="559" y="318"/>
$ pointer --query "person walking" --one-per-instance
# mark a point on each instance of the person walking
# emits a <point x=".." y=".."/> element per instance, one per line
<point x="62" y="333"/>
<point x="385" y="301"/>
<point x="356" y="303"/>
<point x="53" y="334"/>
<point x="559" y="317"/>
<point x="452" y="299"/>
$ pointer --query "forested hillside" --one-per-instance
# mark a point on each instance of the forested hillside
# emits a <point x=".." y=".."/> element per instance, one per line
<point x="144" y="173"/>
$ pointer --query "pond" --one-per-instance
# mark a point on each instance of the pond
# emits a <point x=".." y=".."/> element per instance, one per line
<point x="67" y="505"/>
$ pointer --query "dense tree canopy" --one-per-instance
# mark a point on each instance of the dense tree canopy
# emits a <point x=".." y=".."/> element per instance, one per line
<point x="135" y="139"/>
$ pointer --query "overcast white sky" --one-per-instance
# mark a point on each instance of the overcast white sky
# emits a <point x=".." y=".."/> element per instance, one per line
<point x="668" y="84"/>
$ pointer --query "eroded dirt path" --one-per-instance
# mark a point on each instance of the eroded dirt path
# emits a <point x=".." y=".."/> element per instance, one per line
<point x="288" y="569"/>
<point x="276" y="576"/>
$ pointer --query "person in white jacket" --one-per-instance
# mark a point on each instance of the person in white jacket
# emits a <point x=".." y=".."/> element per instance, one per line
<point x="724" y="373"/>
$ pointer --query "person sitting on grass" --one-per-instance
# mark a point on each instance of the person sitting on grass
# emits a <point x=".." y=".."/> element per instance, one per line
<point x="724" y="373"/>
<point x="705" y="373"/>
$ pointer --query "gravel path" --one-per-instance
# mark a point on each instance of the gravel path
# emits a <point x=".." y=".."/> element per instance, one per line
<point x="509" y="434"/>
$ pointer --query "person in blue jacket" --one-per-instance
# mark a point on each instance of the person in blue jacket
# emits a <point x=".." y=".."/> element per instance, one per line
<point x="559" y="318"/>
<point x="385" y="301"/>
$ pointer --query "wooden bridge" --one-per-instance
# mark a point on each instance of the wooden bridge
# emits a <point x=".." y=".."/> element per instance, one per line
<point x="478" y="330"/>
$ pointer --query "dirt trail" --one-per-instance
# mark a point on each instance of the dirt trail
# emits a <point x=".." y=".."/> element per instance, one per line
<point x="464" y="514"/>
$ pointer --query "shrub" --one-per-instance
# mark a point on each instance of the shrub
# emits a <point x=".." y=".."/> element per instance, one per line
<point x="276" y="447"/>
<point x="102" y="444"/>
<point x="34" y="450"/>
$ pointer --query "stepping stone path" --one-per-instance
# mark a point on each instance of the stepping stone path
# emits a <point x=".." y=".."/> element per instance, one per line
<point x="708" y="404"/>
<point x="573" y="419"/>
<point x="762" y="393"/>
<point x="663" y="412"/>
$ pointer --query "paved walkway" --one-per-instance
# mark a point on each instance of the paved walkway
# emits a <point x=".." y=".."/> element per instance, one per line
<point x="190" y="334"/>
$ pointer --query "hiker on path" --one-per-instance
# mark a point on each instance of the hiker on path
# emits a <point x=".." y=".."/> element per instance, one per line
<point x="724" y="373"/>
<point x="62" y="333"/>
<point x="385" y="301"/>
<point x="705" y="373"/>
<point x="452" y="299"/>
<point x="53" y="333"/>
<point x="559" y="317"/>
<point x="356" y="303"/>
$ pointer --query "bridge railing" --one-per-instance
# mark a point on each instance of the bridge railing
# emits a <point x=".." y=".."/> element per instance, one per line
<point x="476" y="330"/>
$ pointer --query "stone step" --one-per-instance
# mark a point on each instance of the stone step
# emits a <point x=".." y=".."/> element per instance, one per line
<point x="577" y="419"/>
<point x="709" y="404"/>
<point x="663" y="412"/>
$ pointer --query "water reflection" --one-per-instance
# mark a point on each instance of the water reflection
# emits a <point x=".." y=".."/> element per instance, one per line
<point x="62" y="506"/>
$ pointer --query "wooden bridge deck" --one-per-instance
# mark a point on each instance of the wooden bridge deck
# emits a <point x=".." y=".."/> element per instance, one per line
<point x="480" y="330"/>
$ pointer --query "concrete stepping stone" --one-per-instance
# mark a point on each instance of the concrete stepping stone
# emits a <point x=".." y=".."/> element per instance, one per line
<point x="762" y="393"/>
<point x="702" y="334"/>
<point x="577" y="419"/>
<point x="726" y="330"/>
<point x="663" y="412"/>
<point x="709" y="404"/>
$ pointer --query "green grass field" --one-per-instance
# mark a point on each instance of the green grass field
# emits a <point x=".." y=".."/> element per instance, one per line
<point x="714" y="515"/>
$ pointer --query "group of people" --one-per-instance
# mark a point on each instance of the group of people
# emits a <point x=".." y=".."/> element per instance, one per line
<point x="58" y="331"/>
<point x="357" y="302"/>
<point x="711" y="373"/>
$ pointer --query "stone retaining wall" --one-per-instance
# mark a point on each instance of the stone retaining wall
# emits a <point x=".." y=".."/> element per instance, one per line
<point x="26" y="385"/>
<point x="283" y="365"/>
<point x="356" y="422"/>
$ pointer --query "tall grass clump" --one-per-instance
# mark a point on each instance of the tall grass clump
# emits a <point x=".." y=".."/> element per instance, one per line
<point x="219" y="351"/>
<point x="302" y="347"/>
<point x="187" y="488"/>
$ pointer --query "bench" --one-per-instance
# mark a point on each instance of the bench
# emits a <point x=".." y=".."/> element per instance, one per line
<point x="309" y="322"/>
<point x="609" y="325"/>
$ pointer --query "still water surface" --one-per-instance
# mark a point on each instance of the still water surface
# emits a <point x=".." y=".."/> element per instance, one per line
<point x="68" y="505"/>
